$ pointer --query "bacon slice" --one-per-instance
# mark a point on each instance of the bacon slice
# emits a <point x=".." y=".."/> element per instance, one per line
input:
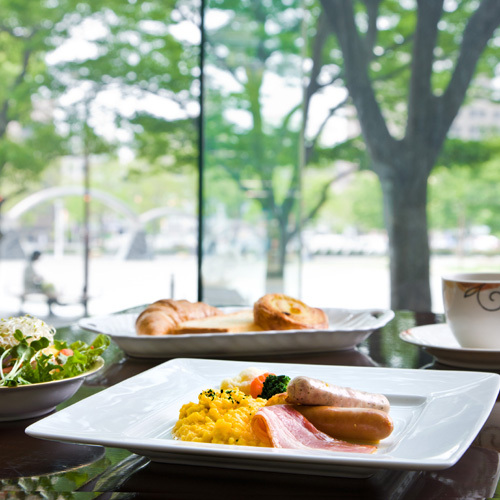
<point x="285" y="427"/>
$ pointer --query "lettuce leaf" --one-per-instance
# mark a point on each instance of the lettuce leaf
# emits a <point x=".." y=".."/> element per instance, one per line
<point x="26" y="363"/>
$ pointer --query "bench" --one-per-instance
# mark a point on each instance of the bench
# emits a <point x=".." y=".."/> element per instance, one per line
<point x="31" y="297"/>
<point x="41" y="297"/>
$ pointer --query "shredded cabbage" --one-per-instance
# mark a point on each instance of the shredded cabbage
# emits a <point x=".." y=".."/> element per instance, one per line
<point x="28" y="325"/>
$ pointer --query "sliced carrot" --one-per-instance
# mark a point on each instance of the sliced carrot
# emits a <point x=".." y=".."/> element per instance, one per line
<point x="257" y="384"/>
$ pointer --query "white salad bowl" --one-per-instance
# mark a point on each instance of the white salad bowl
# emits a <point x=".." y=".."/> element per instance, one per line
<point x="33" y="400"/>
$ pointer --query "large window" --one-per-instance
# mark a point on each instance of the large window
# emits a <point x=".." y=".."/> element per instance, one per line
<point x="330" y="150"/>
<point x="253" y="154"/>
<point x="99" y="155"/>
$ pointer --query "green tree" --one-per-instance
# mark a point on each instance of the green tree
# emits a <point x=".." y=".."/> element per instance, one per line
<point x="28" y="138"/>
<point x="139" y="72"/>
<point x="463" y="188"/>
<point x="406" y="67"/>
<point x="436" y="48"/>
<point x="261" y="147"/>
<point x="123" y="59"/>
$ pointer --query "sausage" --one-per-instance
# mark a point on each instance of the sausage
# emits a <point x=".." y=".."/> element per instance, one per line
<point x="310" y="391"/>
<point x="350" y="424"/>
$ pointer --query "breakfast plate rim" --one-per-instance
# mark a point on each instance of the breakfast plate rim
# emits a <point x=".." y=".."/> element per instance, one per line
<point x="131" y="417"/>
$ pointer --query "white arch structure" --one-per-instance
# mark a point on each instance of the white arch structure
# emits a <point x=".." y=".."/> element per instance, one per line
<point x="64" y="191"/>
<point x="158" y="213"/>
<point x="10" y="219"/>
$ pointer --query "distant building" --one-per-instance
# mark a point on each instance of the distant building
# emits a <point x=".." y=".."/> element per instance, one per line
<point x="476" y="120"/>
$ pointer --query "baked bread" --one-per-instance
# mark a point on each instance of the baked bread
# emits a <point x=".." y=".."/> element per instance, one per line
<point x="238" y="322"/>
<point x="276" y="311"/>
<point x="164" y="316"/>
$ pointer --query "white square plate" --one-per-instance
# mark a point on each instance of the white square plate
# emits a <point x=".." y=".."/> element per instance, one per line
<point x="348" y="328"/>
<point x="437" y="414"/>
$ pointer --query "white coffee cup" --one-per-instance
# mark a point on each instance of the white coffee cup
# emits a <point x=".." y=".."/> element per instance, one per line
<point x="472" y="308"/>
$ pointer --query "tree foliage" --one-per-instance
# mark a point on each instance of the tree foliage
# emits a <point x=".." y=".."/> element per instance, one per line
<point x="287" y="85"/>
<point x="463" y="186"/>
<point x="28" y="138"/>
<point x="67" y="65"/>
<point x="441" y="44"/>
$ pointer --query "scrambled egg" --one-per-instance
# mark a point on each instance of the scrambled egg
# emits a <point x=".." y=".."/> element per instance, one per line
<point x="221" y="416"/>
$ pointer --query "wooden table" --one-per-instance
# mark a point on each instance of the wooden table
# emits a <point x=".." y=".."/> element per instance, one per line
<point x="47" y="469"/>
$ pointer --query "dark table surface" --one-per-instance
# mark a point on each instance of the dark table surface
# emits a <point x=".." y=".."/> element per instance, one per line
<point x="34" y="468"/>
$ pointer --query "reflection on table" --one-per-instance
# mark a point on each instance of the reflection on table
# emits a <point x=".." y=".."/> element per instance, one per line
<point x="28" y="456"/>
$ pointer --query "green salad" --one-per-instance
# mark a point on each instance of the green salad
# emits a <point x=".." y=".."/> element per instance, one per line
<point x="29" y="354"/>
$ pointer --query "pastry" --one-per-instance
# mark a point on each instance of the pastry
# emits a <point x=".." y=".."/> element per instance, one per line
<point x="164" y="316"/>
<point x="276" y="311"/>
<point x="238" y="322"/>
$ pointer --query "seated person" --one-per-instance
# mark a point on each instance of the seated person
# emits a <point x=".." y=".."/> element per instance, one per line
<point x="35" y="283"/>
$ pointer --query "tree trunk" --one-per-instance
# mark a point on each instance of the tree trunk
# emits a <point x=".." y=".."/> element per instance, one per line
<point x="405" y="200"/>
<point x="400" y="165"/>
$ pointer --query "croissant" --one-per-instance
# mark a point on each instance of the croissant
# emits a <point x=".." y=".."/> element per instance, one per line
<point x="280" y="312"/>
<point x="164" y="316"/>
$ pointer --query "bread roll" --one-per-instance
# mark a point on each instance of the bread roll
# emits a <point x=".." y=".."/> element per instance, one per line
<point x="238" y="322"/>
<point x="164" y="316"/>
<point x="276" y="311"/>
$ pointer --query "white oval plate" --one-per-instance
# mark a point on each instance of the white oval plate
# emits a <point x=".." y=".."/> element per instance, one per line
<point x="348" y="328"/>
<point x="439" y="341"/>
<point x="33" y="400"/>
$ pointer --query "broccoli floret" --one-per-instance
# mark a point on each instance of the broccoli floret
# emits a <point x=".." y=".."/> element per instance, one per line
<point x="274" y="384"/>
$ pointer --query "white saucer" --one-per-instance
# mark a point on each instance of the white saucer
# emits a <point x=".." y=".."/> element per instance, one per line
<point x="440" y="342"/>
